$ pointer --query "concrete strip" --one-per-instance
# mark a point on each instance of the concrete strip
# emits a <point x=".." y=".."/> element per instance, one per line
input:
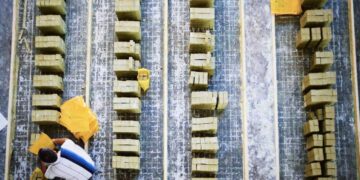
<point x="99" y="82"/>
<point x="260" y="137"/>
<point x="179" y="115"/>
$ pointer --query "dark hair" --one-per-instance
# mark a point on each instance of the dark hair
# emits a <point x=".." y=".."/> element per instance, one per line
<point x="47" y="155"/>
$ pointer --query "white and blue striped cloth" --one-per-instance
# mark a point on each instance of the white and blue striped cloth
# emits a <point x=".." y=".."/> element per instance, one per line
<point x="72" y="163"/>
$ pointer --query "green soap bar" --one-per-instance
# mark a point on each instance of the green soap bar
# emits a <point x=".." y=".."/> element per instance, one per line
<point x="326" y="37"/>
<point x="128" y="30"/>
<point x="316" y="18"/>
<point x="51" y="24"/>
<point x="129" y="10"/>
<point x="201" y="3"/>
<point x="313" y="4"/>
<point x="51" y="6"/>
<point x="203" y="18"/>
<point x="124" y="50"/>
<point x="303" y="38"/>
<point x="315" y="38"/>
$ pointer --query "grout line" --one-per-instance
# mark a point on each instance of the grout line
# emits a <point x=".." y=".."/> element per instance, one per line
<point x="88" y="60"/>
<point x="12" y="90"/>
<point x="276" y="120"/>
<point x="243" y="101"/>
<point x="165" y="88"/>
<point x="354" y="76"/>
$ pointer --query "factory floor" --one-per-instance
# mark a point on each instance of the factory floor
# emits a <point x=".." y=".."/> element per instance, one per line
<point x="259" y="133"/>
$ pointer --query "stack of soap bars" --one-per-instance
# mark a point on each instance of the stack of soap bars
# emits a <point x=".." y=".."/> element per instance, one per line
<point x="126" y="102"/>
<point x="315" y="32"/>
<point x="204" y="104"/>
<point x="49" y="62"/>
<point x="319" y="94"/>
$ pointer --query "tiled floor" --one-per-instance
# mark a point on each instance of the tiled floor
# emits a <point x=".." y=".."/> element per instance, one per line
<point x="291" y="66"/>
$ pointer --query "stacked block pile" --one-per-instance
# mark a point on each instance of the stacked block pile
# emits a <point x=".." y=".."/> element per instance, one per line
<point x="319" y="92"/>
<point x="204" y="104"/>
<point x="127" y="102"/>
<point x="49" y="62"/>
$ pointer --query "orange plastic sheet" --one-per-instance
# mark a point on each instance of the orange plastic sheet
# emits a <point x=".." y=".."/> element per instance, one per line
<point x="44" y="141"/>
<point x="286" y="7"/>
<point x="78" y="118"/>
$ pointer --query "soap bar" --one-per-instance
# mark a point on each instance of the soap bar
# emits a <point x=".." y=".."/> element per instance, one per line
<point x="314" y="140"/>
<point x="315" y="154"/>
<point x="48" y="83"/>
<point x="326" y="36"/>
<point x="126" y="162"/>
<point x="328" y="125"/>
<point x="202" y="18"/>
<point x="51" y="6"/>
<point x="124" y="50"/>
<point x="329" y="112"/>
<point x="303" y="38"/>
<point x="205" y="165"/>
<point x="201" y="3"/>
<point x="321" y="61"/>
<point x="50" y="45"/>
<point x="126" y="146"/>
<point x="318" y="80"/>
<point x="330" y="153"/>
<point x="319" y="97"/>
<point x="51" y="24"/>
<point x="201" y="42"/>
<point x="202" y="62"/>
<point x="45" y="117"/>
<point x="329" y="139"/>
<point x="204" y="125"/>
<point x="313" y="169"/>
<point x="126" y="127"/>
<point x="198" y="80"/>
<point x="46" y="100"/>
<point x="129" y="10"/>
<point x="50" y="63"/>
<point x="127" y="104"/>
<point x="128" y="30"/>
<point x="127" y="88"/>
<point x="315" y="38"/>
<point x="204" y="144"/>
<point x="206" y="100"/>
<point x="316" y="18"/>
<point x="330" y="168"/>
<point x="126" y="67"/>
<point x="310" y="127"/>
<point x="313" y="4"/>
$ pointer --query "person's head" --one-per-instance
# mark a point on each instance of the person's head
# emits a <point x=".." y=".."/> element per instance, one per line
<point x="47" y="155"/>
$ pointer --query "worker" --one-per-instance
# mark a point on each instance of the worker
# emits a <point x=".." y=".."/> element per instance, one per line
<point x="70" y="162"/>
